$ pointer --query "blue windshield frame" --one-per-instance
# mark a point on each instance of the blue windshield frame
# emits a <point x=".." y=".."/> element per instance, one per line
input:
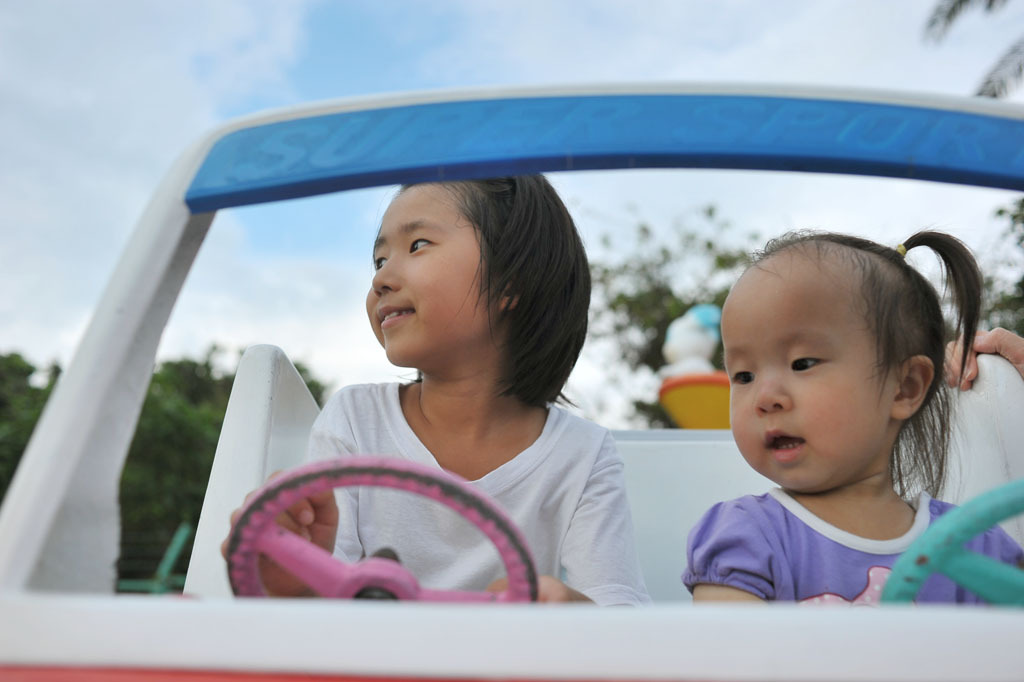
<point x="515" y="135"/>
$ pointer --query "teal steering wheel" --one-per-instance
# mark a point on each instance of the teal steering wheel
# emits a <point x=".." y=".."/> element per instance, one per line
<point x="941" y="550"/>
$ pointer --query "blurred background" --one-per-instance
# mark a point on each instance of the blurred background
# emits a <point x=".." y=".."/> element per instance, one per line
<point x="99" y="98"/>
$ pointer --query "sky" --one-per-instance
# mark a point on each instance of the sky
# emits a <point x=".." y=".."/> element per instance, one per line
<point x="99" y="98"/>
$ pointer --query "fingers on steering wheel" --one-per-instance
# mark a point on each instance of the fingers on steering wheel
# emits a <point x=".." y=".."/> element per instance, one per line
<point x="224" y="542"/>
<point x="499" y="585"/>
<point x="325" y="507"/>
<point x="302" y="513"/>
<point x="290" y="519"/>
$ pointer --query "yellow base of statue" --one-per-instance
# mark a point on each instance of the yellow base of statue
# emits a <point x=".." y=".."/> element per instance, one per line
<point x="697" y="401"/>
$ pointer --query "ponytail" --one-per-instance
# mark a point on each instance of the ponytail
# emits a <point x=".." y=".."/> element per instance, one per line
<point x="963" y="279"/>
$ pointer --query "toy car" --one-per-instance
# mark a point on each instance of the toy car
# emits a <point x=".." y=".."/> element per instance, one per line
<point x="59" y="618"/>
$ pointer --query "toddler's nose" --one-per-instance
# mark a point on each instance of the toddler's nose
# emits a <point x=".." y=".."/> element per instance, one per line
<point x="773" y="397"/>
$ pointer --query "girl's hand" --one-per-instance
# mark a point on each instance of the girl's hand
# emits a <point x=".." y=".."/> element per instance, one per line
<point x="999" y="340"/>
<point x="549" y="590"/>
<point x="315" y="519"/>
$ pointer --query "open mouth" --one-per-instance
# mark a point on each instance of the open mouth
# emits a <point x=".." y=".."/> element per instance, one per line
<point x="388" y="315"/>
<point x="784" y="442"/>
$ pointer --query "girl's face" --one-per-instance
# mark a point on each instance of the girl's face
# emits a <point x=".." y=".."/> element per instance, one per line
<point x="807" y="406"/>
<point x="425" y="305"/>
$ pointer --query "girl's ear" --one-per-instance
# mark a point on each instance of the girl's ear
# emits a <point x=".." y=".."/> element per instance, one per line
<point x="915" y="377"/>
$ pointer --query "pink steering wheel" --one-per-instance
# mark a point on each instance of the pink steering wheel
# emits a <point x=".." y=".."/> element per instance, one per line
<point x="255" y="532"/>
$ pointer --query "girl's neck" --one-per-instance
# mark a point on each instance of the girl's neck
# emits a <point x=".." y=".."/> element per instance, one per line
<point x="467" y="426"/>
<point x="874" y="512"/>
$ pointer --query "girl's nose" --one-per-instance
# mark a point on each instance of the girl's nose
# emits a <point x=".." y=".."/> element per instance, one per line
<point x="383" y="279"/>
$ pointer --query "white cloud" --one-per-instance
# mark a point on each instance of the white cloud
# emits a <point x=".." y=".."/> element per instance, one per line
<point x="870" y="44"/>
<point x="100" y="97"/>
<point x="98" y="100"/>
<point x="314" y="309"/>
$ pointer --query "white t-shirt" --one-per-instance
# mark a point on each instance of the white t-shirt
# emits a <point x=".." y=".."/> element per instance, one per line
<point x="566" y="493"/>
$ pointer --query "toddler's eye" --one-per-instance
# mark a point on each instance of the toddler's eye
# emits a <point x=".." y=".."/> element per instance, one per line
<point x="415" y="246"/>
<point x="378" y="263"/>
<point x="742" y="377"/>
<point x="803" y="364"/>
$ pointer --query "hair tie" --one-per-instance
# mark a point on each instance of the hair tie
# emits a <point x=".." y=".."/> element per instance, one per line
<point x="902" y="250"/>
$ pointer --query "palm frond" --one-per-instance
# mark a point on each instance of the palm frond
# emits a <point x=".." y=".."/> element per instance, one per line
<point x="1005" y="74"/>
<point x="946" y="12"/>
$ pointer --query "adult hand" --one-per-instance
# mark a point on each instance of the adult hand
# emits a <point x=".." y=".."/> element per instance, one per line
<point x="998" y="340"/>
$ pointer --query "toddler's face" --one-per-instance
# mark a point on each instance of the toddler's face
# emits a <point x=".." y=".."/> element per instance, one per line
<point x="806" y="405"/>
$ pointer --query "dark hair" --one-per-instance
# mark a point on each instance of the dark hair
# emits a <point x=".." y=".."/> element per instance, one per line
<point x="904" y="313"/>
<point x="533" y="259"/>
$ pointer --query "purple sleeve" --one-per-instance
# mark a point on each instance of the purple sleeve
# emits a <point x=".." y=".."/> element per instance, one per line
<point x="728" y="547"/>
<point x="994" y="542"/>
<point x="997" y="543"/>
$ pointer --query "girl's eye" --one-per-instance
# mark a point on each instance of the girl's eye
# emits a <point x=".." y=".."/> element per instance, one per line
<point x="378" y="263"/>
<point x="415" y="246"/>
<point x="742" y="377"/>
<point x="803" y="364"/>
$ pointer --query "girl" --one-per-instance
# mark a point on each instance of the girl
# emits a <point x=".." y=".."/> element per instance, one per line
<point x="484" y="288"/>
<point x="834" y="346"/>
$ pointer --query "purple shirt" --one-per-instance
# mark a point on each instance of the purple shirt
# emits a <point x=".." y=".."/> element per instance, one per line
<point x="773" y="547"/>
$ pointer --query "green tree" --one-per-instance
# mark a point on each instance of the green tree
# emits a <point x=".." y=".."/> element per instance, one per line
<point x="654" y="280"/>
<point x="168" y="463"/>
<point x="21" y="402"/>
<point x="169" y="460"/>
<point x="643" y="287"/>
<point x="1004" y="298"/>
<point x="1004" y="281"/>
<point x="1006" y="72"/>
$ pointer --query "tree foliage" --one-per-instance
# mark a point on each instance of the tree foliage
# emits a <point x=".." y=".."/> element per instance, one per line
<point x="169" y="459"/>
<point x="21" y="402"/>
<point x="1004" y="304"/>
<point x="639" y="290"/>
<point x="643" y="287"/>
<point x="1006" y="72"/>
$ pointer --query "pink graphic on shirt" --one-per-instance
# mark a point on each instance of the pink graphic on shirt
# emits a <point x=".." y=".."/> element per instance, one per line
<point x="871" y="596"/>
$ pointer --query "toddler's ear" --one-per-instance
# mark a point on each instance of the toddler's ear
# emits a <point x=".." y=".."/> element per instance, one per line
<point x="915" y="377"/>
